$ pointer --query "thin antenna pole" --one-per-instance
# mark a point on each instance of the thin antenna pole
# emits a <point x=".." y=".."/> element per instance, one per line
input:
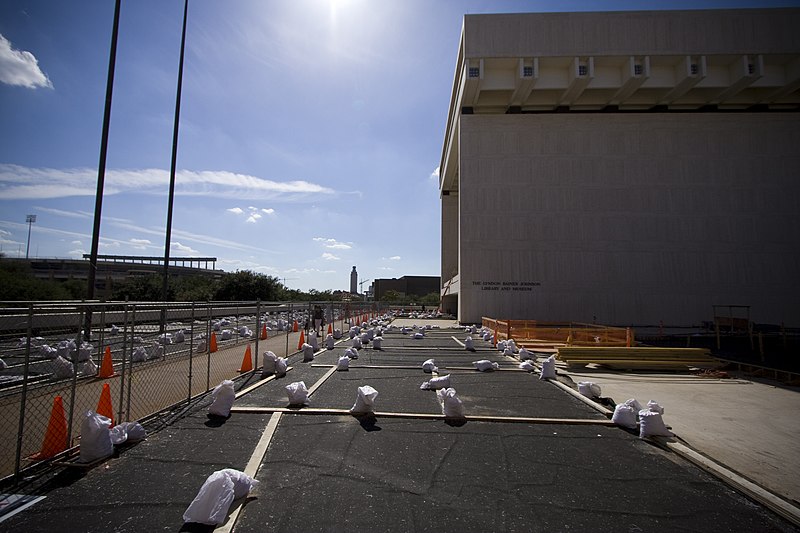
<point x="174" y="155"/>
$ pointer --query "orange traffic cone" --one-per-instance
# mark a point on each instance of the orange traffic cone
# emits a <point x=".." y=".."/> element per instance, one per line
<point x="247" y="362"/>
<point x="302" y="340"/>
<point x="295" y="327"/>
<point x="55" y="439"/>
<point x="107" y="366"/>
<point x="330" y="329"/>
<point x="264" y="333"/>
<point x="104" y="405"/>
<point x="213" y="346"/>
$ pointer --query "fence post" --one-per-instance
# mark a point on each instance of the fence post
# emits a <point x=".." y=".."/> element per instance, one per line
<point x="130" y="372"/>
<point x="208" y="349"/>
<point x="288" y="329"/>
<point x="258" y="333"/>
<point x="24" y="397"/>
<point x="71" y="414"/>
<point x="124" y="369"/>
<point x="191" y="349"/>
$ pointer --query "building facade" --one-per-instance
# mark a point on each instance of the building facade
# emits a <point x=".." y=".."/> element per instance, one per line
<point x="406" y="286"/>
<point x="623" y="167"/>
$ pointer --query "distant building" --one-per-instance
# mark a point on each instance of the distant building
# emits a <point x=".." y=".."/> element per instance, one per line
<point x="623" y="167"/>
<point x="406" y="286"/>
<point x="113" y="269"/>
<point x="354" y="281"/>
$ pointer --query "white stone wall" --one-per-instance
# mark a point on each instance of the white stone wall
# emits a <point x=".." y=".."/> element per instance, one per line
<point x="629" y="218"/>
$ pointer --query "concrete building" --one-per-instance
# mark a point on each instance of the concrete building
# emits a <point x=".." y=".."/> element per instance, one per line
<point x="623" y="167"/>
<point x="406" y="285"/>
<point x="354" y="281"/>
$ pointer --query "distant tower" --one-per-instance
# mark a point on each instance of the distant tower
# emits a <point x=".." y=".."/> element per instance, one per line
<point x="354" y="281"/>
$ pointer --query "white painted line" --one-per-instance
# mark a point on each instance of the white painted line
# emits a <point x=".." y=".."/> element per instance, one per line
<point x="458" y="341"/>
<point x="252" y="469"/>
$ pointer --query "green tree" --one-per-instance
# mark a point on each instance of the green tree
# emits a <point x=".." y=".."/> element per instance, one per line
<point x="142" y="289"/>
<point x="17" y="282"/>
<point x="392" y="296"/>
<point x="246" y="285"/>
<point x="196" y="289"/>
<point x="431" y="299"/>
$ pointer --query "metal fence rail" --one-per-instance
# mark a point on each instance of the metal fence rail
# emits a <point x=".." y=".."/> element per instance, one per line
<point x="160" y="354"/>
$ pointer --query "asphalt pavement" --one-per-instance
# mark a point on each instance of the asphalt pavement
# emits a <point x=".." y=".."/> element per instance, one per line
<point x="529" y="457"/>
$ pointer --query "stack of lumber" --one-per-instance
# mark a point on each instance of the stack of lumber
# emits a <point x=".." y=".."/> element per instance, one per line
<point x="638" y="358"/>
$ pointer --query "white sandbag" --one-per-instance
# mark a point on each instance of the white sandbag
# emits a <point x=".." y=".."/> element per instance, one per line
<point x="451" y="404"/>
<point x="133" y="430"/>
<point x="501" y="346"/>
<point x="114" y="329"/>
<point x="652" y="425"/>
<point x="513" y="345"/>
<point x="635" y="404"/>
<point x="214" y="499"/>
<point x="201" y="346"/>
<point x="419" y="335"/>
<point x="370" y="334"/>
<point x="625" y="416"/>
<point x="226" y="335"/>
<point x="353" y="332"/>
<point x="165" y="338"/>
<point x="268" y="367"/>
<point x="329" y="342"/>
<point x="308" y="352"/>
<point x="281" y="367"/>
<point x="343" y="363"/>
<point x="89" y="368"/>
<point x="313" y="341"/>
<point x="364" y="338"/>
<point x="84" y="352"/>
<point x="61" y="368"/>
<point x="469" y="344"/>
<point x="155" y="351"/>
<point x="64" y="348"/>
<point x="653" y="406"/>
<point x="589" y="389"/>
<point x="3" y="365"/>
<point x="352" y="353"/>
<point x="429" y="366"/>
<point x="484" y="365"/>
<point x="224" y="395"/>
<point x="549" y="368"/>
<point x="473" y="329"/>
<point x="527" y="366"/>
<point x="441" y="382"/>
<point x="337" y="334"/>
<point x="139" y="354"/>
<point x="487" y="336"/>
<point x="509" y="352"/>
<point x="48" y="351"/>
<point x="297" y="393"/>
<point x="377" y="342"/>
<point x="95" y="437"/>
<point x="525" y="355"/>
<point x="365" y="401"/>
<point x="357" y="343"/>
<point x="119" y="434"/>
<point x="179" y="337"/>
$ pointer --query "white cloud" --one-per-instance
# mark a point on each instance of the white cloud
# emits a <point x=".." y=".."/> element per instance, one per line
<point x="330" y="257"/>
<point x="110" y="244"/>
<point x="235" y="210"/>
<point x="385" y="268"/>
<point x="253" y="218"/>
<point x="21" y="68"/>
<point x="77" y="243"/>
<point x="61" y="212"/>
<point x="178" y="247"/>
<point x="394" y="258"/>
<point x="435" y="174"/>
<point x="77" y="253"/>
<point x="18" y="182"/>
<point x="140" y="244"/>
<point x="269" y="211"/>
<point x="333" y="244"/>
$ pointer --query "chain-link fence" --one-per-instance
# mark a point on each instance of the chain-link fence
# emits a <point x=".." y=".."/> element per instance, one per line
<point x="58" y="356"/>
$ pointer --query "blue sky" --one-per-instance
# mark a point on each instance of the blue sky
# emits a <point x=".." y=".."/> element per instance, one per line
<point x="310" y="130"/>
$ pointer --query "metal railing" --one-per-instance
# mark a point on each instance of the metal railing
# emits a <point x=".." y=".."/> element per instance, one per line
<point x="160" y="357"/>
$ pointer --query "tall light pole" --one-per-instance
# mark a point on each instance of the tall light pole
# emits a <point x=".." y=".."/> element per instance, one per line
<point x="30" y="219"/>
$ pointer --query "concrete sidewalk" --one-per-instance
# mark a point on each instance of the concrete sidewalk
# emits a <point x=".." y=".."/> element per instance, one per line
<point x="751" y="427"/>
